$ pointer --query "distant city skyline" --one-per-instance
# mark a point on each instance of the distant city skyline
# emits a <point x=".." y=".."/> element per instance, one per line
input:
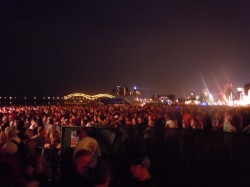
<point x="140" y="89"/>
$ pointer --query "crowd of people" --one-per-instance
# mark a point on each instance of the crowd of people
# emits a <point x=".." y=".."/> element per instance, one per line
<point x="24" y="129"/>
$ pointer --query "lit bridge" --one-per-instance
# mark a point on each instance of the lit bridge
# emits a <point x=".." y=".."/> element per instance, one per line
<point x="86" y="97"/>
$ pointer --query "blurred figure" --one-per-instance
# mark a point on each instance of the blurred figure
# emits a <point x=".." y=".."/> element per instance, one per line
<point x="53" y="139"/>
<point x="229" y="129"/>
<point x="3" y="138"/>
<point x="10" y="171"/>
<point x="102" y="175"/>
<point x="40" y="137"/>
<point x="35" y="171"/>
<point x="228" y="126"/>
<point x="217" y="121"/>
<point x="171" y="122"/>
<point x="186" y="119"/>
<point x="139" y="168"/>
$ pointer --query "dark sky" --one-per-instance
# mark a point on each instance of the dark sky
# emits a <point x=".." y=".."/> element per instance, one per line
<point x="164" y="47"/>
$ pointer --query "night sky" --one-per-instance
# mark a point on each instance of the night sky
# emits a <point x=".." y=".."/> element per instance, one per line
<point x="54" y="48"/>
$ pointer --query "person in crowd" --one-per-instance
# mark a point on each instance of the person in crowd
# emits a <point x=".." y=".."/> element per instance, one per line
<point x="187" y="118"/>
<point x="102" y="174"/>
<point x="170" y="121"/>
<point x="81" y="172"/>
<point x="35" y="172"/>
<point x="3" y="138"/>
<point x="228" y="126"/>
<point x="31" y="182"/>
<point x="49" y="125"/>
<point x="88" y="143"/>
<point x="151" y="120"/>
<point x="30" y="144"/>
<point x="40" y="138"/>
<point x="100" y="121"/>
<point x="11" y="146"/>
<point x="197" y="121"/>
<point x="139" y="167"/>
<point x="5" y="121"/>
<point x="128" y="120"/>
<point x="217" y="121"/>
<point x="53" y="139"/>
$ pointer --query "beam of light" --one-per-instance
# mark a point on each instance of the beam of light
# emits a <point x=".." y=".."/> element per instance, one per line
<point x="205" y="85"/>
<point x="220" y="90"/>
<point x="226" y="75"/>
